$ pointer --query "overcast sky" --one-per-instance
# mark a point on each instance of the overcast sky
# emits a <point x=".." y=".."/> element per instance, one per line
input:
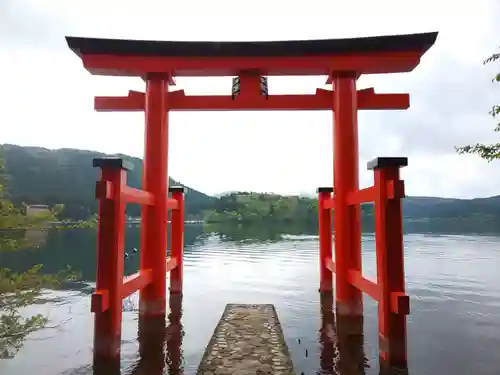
<point x="47" y="96"/>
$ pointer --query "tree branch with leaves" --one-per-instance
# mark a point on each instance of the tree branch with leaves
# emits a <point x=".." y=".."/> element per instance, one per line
<point x="18" y="290"/>
<point x="492" y="151"/>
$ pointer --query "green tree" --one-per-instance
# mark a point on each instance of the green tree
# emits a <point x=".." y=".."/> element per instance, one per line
<point x="251" y="207"/>
<point x="18" y="290"/>
<point x="492" y="151"/>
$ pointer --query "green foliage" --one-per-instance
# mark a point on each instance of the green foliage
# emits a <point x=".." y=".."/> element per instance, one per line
<point x="492" y="151"/>
<point x="18" y="290"/>
<point x="14" y="329"/>
<point x="257" y="207"/>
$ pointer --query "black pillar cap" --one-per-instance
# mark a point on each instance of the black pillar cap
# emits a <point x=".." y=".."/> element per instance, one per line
<point x="385" y="162"/>
<point x="176" y="189"/>
<point x="113" y="163"/>
<point x="325" y="189"/>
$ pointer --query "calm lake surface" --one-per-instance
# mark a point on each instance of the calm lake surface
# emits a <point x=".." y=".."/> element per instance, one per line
<point x="452" y="277"/>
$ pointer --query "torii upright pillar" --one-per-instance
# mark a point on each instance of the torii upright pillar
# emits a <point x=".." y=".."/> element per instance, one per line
<point x="347" y="218"/>
<point x="155" y="180"/>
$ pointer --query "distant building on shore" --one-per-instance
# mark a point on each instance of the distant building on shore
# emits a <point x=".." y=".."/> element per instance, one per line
<point x="36" y="209"/>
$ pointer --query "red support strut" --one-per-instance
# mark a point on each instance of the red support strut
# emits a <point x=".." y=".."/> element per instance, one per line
<point x="394" y="303"/>
<point x="107" y="300"/>
<point x="389" y="290"/>
<point x="325" y="238"/>
<point x="111" y="286"/>
<point x="177" y="239"/>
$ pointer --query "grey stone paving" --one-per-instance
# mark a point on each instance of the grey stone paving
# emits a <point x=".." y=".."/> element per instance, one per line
<point x="248" y="340"/>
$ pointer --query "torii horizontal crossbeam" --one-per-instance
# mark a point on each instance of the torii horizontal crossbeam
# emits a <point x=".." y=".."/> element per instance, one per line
<point x="382" y="54"/>
<point x="322" y="100"/>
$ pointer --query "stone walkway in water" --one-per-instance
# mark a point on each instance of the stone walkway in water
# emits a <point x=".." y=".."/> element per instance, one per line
<point x="248" y="340"/>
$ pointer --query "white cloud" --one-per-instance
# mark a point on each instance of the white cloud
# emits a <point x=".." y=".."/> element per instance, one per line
<point x="47" y="96"/>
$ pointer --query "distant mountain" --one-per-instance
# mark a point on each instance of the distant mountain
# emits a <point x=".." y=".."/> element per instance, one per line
<point x="41" y="176"/>
<point x="446" y="208"/>
<point x="419" y="208"/>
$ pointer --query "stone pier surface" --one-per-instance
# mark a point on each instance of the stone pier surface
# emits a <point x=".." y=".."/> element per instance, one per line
<point x="248" y="340"/>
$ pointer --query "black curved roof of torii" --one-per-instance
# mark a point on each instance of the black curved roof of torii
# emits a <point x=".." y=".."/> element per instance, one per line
<point x="325" y="47"/>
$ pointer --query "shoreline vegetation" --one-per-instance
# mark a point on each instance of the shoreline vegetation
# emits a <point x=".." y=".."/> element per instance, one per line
<point x="254" y="207"/>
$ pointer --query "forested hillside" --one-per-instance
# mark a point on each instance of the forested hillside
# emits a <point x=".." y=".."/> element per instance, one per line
<point x="448" y="208"/>
<point x="66" y="176"/>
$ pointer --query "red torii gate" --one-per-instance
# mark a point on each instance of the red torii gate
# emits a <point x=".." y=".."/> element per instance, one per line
<point x="343" y="61"/>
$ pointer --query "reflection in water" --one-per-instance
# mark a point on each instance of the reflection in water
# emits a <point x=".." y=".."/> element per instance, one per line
<point x="350" y="340"/>
<point x="77" y="248"/>
<point x="160" y="346"/>
<point x="329" y="353"/>
<point x="36" y="237"/>
<point x="175" y="333"/>
<point x="151" y="337"/>
<point x="258" y="233"/>
<point x="341" y="342"/>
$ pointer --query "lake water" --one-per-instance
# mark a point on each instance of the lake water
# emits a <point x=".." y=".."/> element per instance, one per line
<point x="453" y="280"/>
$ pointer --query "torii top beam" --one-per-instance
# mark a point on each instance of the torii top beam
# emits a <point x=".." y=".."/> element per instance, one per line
<point x="382" y="54"/>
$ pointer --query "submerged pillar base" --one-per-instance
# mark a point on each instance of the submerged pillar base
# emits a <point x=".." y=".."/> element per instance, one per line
<point x="152" y="308"/>
<point x="107" y="348"/>
<point x="352" y="309"/>
<point x="326" y="286"/>
<point x="350" y="338"/>
<point x="176" y="287"/>
<point x="392" y="354"/>
<point x="106" y="366"/>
